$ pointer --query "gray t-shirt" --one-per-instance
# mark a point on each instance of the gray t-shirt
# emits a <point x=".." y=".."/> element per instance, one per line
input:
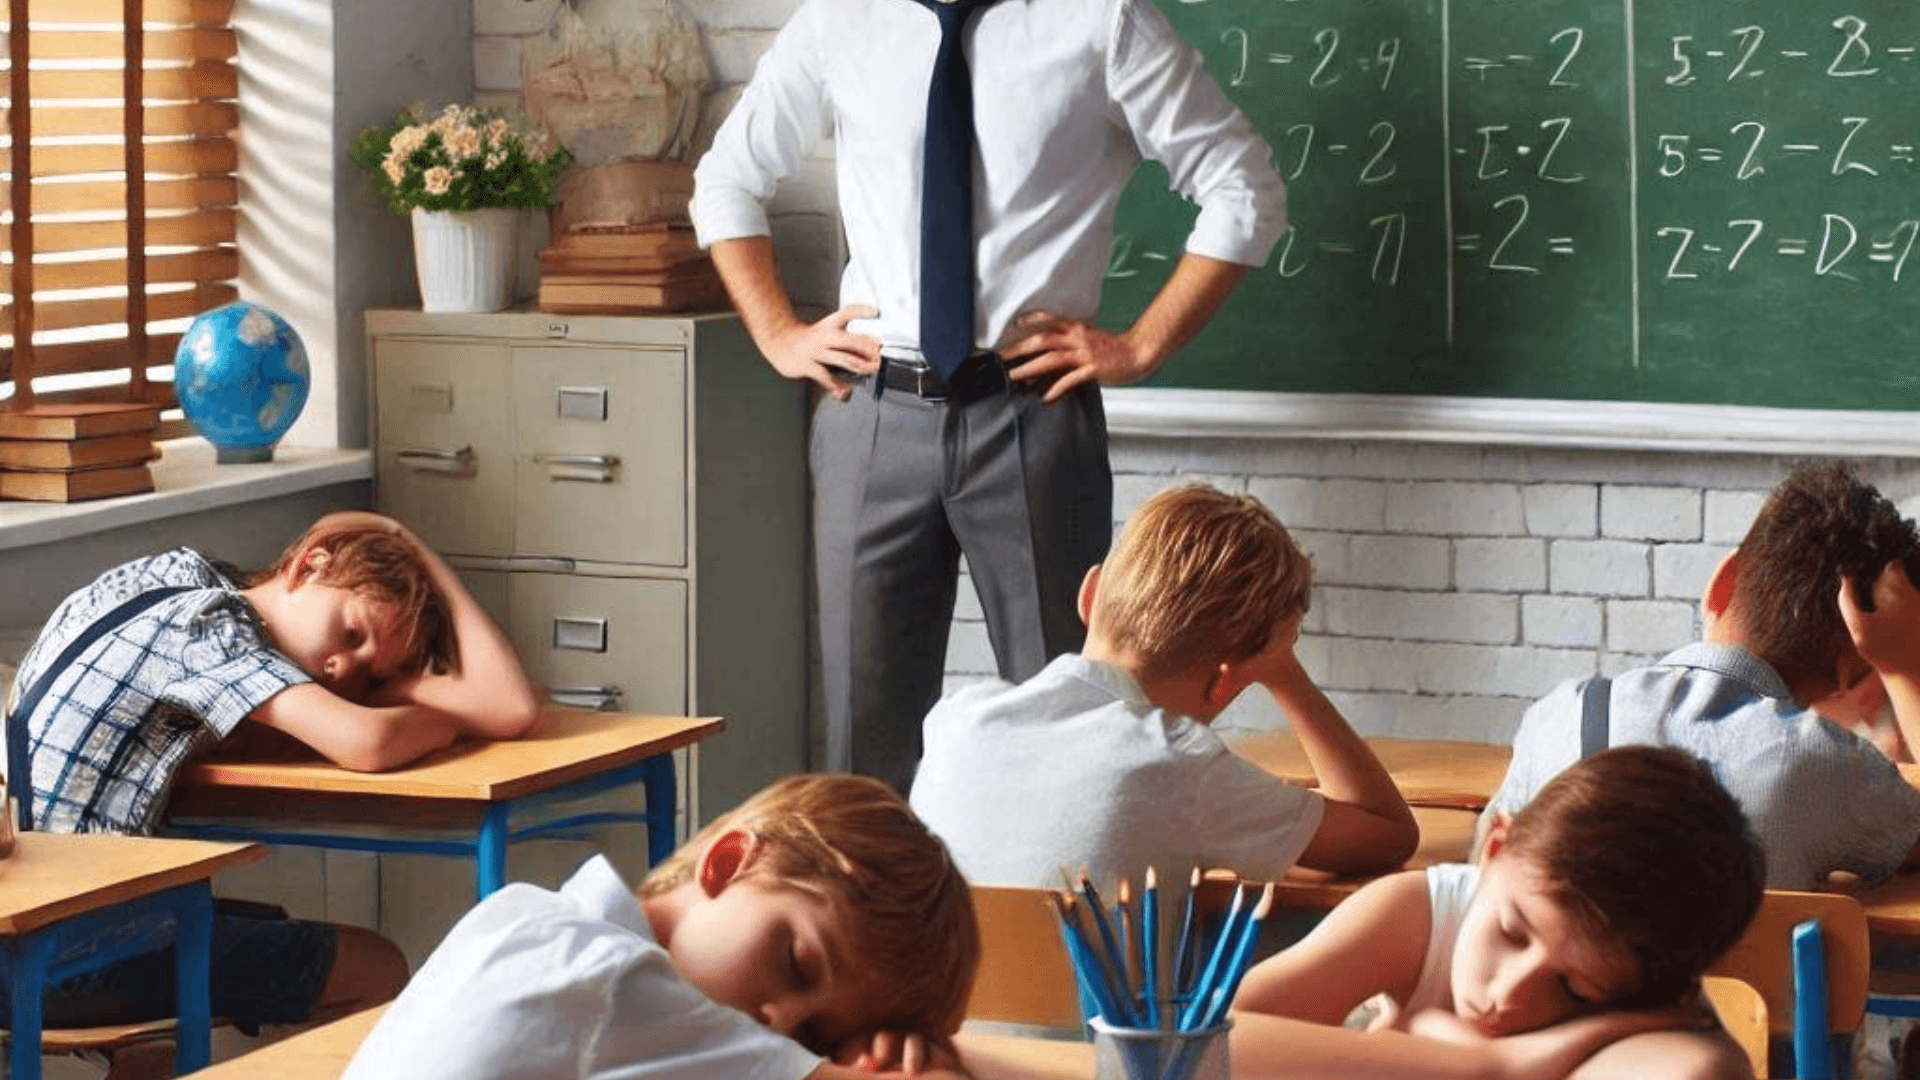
<point x="1819" y="797"/>
<point x="1075" y="769"/>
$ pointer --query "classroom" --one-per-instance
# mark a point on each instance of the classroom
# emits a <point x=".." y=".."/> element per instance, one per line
<point x="1514" y="457"/>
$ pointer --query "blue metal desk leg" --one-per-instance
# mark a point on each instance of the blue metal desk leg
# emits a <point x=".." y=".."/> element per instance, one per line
<point x="28" y="960"/>
<point x="192" y="950"/>
<point x="491" y="851"/>
<point x="658" y="775"/>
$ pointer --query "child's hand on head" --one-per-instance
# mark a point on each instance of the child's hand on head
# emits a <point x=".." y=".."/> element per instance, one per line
<point x="1888" y="637"/>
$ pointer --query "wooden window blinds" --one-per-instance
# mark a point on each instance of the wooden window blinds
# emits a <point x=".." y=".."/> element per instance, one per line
<point x="120" y="191"/>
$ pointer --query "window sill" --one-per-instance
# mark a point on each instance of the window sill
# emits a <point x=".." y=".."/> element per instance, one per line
<point x="186" y="480"/>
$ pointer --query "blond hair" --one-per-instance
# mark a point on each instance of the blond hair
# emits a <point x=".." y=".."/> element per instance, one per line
<point x="902" y="903"/>
<point x="1199" y="576"/>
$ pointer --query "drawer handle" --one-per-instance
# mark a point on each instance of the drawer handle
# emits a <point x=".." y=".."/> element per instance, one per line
<point x="580" y="634"/>
<point x="440" y="461"/>
<point x="592" y="698"/>
<point x="589" y="468"/>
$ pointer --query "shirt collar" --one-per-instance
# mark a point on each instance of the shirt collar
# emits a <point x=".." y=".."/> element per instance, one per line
<point x="1732" y="662"/>
<point x="1113" y="680"/>
<point x="599" y="890"/>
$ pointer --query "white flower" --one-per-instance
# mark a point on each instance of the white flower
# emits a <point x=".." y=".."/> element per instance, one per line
<point x="393" y="168"/>
<point x="497" y="131"/>
<point x="439" y="178"/>
<point x="463" y="142"/>
<point x="256" y="326"/>
<point x="407" y="140"/>
<point x="496" y="159"/>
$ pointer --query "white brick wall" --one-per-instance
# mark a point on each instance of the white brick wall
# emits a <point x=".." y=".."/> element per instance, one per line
<point x="1453" y="585"/>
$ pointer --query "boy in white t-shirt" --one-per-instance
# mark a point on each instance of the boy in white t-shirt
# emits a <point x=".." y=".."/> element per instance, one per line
<point x="817" y="931"/>
<point x="1105" y="759"/>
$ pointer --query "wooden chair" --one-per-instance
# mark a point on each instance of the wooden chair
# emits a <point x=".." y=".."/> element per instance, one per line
<point x="1806" y="953"/>
<point x="1743" y="1012"/>
<point x="1025" y="977"/>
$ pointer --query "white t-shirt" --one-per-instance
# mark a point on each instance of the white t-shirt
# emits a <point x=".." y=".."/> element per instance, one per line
<point x="568" y="985"/>
<point x="1075" y="768"/>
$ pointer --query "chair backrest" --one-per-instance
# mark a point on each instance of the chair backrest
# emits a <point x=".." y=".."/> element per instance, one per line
<point x="1743" y="1012"/>
<point x="1024" y="975"/>
<point x="1764" y="957"/>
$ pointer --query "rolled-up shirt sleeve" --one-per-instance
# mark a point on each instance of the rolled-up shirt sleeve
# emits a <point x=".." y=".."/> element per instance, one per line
<point x="776" y="123"/>
<point x="1180" y="118"/>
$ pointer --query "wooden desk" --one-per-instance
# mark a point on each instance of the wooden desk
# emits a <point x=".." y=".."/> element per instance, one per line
<point x="1429" y="772"/>
<point x="1893" y="906"/>
<point x="72" y="904"/>
<point x="323" y="1054"/>
<point x="1008" y="1057"/>
<point x="1446" y="835"/>
<point x="470" y="786"/>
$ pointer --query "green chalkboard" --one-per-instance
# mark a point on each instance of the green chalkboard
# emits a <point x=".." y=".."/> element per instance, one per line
<point x="1702" y="201"/>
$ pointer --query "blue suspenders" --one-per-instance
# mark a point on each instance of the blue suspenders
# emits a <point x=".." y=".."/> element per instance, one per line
<point x="19" y="767"/>
<point x="1595" y="699"/>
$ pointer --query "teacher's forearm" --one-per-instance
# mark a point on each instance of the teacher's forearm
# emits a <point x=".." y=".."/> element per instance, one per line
<point x="1192" y="295"/>
<point x="752" y="276"/>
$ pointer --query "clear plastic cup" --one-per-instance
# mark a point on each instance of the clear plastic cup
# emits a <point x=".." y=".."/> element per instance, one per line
<point x="1148" y="1054"/>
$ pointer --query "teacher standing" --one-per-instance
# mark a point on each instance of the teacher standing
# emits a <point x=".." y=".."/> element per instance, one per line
<point x="962" y="412"/>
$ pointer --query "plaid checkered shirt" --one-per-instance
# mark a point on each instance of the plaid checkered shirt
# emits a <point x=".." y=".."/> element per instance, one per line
<point x="108" y="736"/>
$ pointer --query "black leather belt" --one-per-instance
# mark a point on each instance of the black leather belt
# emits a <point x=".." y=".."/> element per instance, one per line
<point x="978" y="375"/>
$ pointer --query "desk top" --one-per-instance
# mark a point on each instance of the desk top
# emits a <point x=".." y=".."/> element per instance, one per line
<point x="1429" y="772"/>
<point x="1446" y="835"/>
<point x="53" y="876"/>
<point x="318" y="1053"/>
<point x="1008" y="1057"/>
<point x="323" y="1053"/>
<point x="568" y="745"/>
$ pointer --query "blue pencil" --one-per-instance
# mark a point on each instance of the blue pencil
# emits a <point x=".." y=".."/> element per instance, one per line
<point x="1241" y="959"/>
<point x="1150" y="946"/>
<point x="1123" y="922"/>
<point x="1183" y="949"/>
<point x="1086" y="968"/>
<point x="1203" y="987"/>
<point x="1098" y="913"/>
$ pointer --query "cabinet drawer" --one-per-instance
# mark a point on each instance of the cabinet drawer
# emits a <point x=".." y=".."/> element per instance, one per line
<point x="445" y="457"/>
<point x="598" y="642"/>
<point x="602" y="454"/>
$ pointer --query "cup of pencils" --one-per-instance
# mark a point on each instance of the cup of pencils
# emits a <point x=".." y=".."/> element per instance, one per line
<point x="1159" y="992"/>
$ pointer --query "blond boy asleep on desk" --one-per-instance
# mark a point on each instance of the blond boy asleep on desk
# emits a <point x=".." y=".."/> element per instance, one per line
<point x="817" y="931"/>
<point x="1106" y="760"/>
<point x="360" y="642"/>
<point x="1575" y="949"/>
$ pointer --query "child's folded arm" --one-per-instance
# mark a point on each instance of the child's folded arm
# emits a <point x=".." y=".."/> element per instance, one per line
<point x="1367" y="827"/>
<point x="356" y="737"/>
<point x="1375" y="940"/>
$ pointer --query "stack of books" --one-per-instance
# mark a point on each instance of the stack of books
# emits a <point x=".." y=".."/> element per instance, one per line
<point x="627" y="269"/>
<point x="67" y="453"/>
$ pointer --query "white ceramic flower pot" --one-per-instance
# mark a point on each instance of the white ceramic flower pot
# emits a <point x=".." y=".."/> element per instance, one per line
<point x="465" y="258"/>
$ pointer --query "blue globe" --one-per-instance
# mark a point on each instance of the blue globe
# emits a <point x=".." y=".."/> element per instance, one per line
<point x="241" y="376"/>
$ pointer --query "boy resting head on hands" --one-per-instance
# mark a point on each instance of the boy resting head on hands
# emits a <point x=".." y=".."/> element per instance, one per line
<point x="819" y="930"/>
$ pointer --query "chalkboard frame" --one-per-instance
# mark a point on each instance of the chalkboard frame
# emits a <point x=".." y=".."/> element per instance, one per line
<point x="1157" y="412"/>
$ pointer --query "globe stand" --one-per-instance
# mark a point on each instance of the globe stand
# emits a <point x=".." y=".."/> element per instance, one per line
<point x="242" y="455"/>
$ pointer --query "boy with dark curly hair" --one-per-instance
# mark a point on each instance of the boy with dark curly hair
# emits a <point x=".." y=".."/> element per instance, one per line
<point x="1814" y="617"/>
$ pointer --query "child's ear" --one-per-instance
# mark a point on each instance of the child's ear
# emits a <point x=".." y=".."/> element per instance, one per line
<point x="729" y="853"/>
<point x="1499" y="825"/>
<point x="307" y="565"/>
<point x="1088" y="585"/>
<point x="1719" y="595"/>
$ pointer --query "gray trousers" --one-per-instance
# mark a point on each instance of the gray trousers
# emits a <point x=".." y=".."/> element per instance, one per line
<point x="903" y="487"/>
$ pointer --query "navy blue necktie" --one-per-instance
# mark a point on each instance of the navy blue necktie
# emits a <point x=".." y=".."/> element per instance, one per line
<point x="946" y="197"/>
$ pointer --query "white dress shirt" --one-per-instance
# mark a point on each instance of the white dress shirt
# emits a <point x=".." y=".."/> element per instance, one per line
<point x="1068" y="97"/>
<point x="1075" y="768"/>
<point x="568" y="985"/>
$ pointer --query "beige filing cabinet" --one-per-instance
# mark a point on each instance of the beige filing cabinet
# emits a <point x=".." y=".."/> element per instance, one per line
<point x="627" y="496"/>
